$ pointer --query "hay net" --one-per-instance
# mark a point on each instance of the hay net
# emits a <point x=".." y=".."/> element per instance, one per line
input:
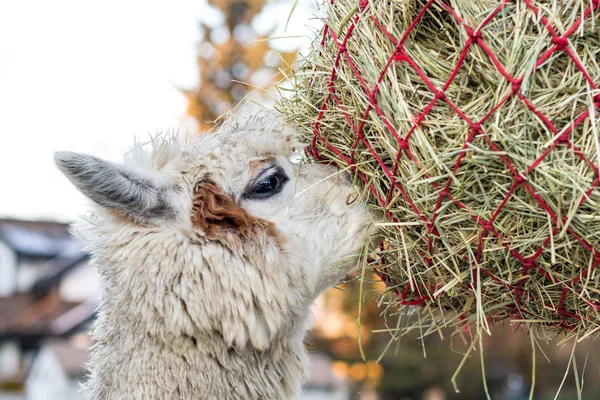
<point x="472" y="125"/>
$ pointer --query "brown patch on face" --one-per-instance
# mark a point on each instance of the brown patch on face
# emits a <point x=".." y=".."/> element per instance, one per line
<point x="255" y="166"/>
<point x="218" y="215"/>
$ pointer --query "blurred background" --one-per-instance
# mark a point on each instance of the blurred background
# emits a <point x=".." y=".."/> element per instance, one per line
<point x="90" y="76"/>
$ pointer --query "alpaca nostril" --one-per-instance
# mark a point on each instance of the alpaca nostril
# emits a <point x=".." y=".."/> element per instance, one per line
<point x="345" y="176"/>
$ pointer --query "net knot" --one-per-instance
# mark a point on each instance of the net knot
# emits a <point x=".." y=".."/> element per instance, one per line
<point x="363" y="4"/>
<point x="402" y="144"/>
<point x="475" y="35"/>
<point x="486" y="225"/>
<point x="342" y="48"/>
<point x="439" y="95"/>
<point x="519" y="178"/>
<point x="516" y="84"/>
<point x="400" y="55"/>
<point x="597" y="97"/>
<point x="560" y="42"/>
<point x="476" y="127"/>
<point x="433" y="230"/>
<point x="528" y="263"/>
<point x="445" y="193"/>
<point x="372" y="98"/>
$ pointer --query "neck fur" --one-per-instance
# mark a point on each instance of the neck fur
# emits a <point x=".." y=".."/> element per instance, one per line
<point x="131" y="363"/>
<point x="153" y="340"/>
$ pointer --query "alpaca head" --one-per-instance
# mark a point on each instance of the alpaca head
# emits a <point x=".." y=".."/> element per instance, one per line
<point x="225" y="236"/>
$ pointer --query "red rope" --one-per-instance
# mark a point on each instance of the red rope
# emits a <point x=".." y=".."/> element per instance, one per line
<point x="563" y="139"/>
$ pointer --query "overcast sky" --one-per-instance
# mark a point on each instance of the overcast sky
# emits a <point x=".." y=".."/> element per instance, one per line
<point x="89" y="76"/>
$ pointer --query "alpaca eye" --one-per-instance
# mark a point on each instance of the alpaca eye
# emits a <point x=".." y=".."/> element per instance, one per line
<point x="268" y="186"/>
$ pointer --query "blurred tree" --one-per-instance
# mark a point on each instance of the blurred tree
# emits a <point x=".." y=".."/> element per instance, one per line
<point x="232" y="61"/>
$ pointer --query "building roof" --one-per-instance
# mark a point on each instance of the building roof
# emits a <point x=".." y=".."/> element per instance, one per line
<point x="56" y="268"/>
<point x="35" y="238"/>
<point x="42" y="313"/>
<point x="48" y="240"/>
<point x="24" y="315"/>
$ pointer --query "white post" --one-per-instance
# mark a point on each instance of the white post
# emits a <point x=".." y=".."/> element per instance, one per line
<point x="10" y="358"/>
<point x="8" y="270"/>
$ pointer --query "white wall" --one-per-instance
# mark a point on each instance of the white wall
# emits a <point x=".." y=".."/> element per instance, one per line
<point x="8" y="270"/>
<point x="81" y="284"/>
<point x="28" y="273"/>
<point x="47" y="380"/>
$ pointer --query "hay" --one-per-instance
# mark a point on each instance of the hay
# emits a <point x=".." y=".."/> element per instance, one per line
<point x="473" y="127"/>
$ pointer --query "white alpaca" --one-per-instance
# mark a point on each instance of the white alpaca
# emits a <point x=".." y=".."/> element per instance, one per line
<point x="210" y="258"/>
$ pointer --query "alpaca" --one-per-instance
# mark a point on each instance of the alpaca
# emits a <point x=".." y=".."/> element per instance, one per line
<point x="210" y="258"/>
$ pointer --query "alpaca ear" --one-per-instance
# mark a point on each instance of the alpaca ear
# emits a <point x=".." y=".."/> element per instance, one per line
<point x="114" y="186"/>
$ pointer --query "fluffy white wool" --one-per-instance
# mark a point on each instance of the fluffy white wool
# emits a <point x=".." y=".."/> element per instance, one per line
<point x="186" y="315"/>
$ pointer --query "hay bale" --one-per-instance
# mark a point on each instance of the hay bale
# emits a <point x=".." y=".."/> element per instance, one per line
<point x="473" y="127"/>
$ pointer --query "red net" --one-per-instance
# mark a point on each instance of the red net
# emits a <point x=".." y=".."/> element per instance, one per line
<point x="562" y="140"/>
